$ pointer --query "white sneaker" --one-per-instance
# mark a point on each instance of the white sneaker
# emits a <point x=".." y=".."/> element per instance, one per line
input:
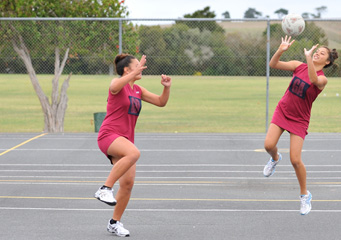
<point x="118" y="229"/>
<point x="270" y="167"/>
<point x="106" y="195"/>
<point x="306" y="203"/>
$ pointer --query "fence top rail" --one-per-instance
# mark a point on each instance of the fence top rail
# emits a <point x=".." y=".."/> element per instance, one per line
<point x="155" y="19"/>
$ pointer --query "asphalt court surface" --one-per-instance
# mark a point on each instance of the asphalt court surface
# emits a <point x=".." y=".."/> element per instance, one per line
<point x="188" y="186"/>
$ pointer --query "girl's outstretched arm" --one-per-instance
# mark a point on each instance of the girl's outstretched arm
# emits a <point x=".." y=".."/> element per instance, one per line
<point x="318" y="81"/>
<point x="275" y="60"/>
<point x="118" y="83"/>
<point x="158" y="100"/>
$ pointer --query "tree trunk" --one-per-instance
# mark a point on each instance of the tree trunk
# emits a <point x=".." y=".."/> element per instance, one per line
<point x="53" y="113"/>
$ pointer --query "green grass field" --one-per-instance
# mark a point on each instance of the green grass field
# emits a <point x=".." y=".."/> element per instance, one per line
<point x="197" y="104"/>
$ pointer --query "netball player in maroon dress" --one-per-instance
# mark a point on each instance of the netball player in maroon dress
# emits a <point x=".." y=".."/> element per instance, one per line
<point x="293" y="110"/>
<point x="116" y="135"/>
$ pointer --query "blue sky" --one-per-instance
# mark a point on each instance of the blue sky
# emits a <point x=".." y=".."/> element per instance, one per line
<point x="178" y="8"/>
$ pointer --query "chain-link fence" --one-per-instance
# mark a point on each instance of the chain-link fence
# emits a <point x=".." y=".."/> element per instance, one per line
<point x="207" y="47"/>
<point x="227" y="47"/>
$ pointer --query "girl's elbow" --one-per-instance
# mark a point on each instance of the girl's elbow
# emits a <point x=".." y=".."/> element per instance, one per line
<point x="162" y="104"/>
<point x="114" y="90"/>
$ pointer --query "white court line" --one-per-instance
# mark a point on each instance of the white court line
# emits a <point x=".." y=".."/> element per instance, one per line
<point x="194" y="177"/>
<point x="154" y="171"/>
<point x="155" y="138"/>
<point x="155" y="165"/>
<point x="196" y="137"/>
<point x="180" y="177"/>
<point x="168" y="210"/>
<point x="135" y="184"/>
<point x="164" y="150"/>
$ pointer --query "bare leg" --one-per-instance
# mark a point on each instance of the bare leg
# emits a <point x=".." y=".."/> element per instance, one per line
<point x="271" y="140"/>
<point x="125" y="155"/>
<point x="296" y="145"/>
<point x="124" y="192"/>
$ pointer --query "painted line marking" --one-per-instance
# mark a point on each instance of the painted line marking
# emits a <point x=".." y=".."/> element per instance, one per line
<point x="154" y="171"/>
<point x="160" y="182"/>
<point x="171" y="199"/>
<point x="155" y="165"/>
<point x="153" y="182"/>
<point x="168" y="210"/>
<point x="164" y="150"/>
<point x="29" y="140"/>
<point x="181" y="177"/>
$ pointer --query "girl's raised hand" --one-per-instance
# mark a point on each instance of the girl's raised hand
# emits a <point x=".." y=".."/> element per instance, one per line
<point x="143" y="60"/>
<point x="141" y="64"/>
<point x="286" y="43"/>
<point x="166" y="80"/>
<point x="308" y="53"/>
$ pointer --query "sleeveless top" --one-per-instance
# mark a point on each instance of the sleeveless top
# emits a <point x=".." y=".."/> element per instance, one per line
<point x="297" y="101"/>
<point x="123" y="110"/>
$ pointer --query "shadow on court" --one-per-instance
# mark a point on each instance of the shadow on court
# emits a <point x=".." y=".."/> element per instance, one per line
<point x="188" y="186"/>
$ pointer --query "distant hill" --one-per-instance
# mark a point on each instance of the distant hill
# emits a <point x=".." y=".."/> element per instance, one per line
<point x="332" y="29"/>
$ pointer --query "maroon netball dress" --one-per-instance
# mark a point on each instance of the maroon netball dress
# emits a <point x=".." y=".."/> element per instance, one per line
<point x="293" y="110"/>
<point x="123" y="110"/>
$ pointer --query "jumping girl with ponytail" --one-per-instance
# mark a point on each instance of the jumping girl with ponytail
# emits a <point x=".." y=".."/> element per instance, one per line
<point x="116" y="135"/>
<point x="293" y="110"/>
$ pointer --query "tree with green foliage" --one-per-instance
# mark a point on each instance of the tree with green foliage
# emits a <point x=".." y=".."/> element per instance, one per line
<point x="65" y="40"/>
<point x="281" y="12"/>
<point x="182" y="50"/>
<point x="208" y="25"/>
<point x="221" y="62"/>
<point x="226" y="14"/>
<point x="252" y="13"/>
<point x="319" y="11"/>
<point x="175" y="38"/>
<point x="306" y="15"/>
<point x="248" y="54"/>
<point x="153" y="44"/>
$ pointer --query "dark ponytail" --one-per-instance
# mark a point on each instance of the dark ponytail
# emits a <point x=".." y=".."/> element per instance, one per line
<point x="121" y="61"/>
<point x="333" y="55"/>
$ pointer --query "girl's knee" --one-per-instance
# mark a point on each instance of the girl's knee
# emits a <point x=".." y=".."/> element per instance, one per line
<point x="268" y="146"/>
<point x="127" y="185"/>
<point x="135" y="154"/>
<point x="296" y="162"/>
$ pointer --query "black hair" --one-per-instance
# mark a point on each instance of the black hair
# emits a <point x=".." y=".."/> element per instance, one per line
<point x="332" y="56"/>
<point x="121" y="61"/>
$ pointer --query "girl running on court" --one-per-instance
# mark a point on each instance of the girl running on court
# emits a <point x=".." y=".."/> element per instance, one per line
<point x="293" y="110"/>
<point x="116" y="135"/>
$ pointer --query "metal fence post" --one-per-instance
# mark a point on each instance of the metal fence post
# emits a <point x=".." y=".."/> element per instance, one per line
<point x="267" y="74"/>
<point x="120" y="36"/>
